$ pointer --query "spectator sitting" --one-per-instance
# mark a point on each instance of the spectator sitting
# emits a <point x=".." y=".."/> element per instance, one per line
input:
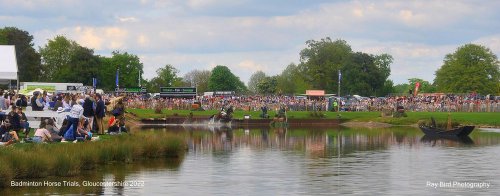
<point x="37" y="101"/>
<point x="115" y="126"/>
<point x="54" y="132"/>
<point x="42" y="134"/>
<point x="25" y="126"/>
<point x="83" y="131"/>
<point x="6" y="135"/>
<point x="14" y="119"/>
<point x="58" y="103"/>
<point x="22" y="101"/>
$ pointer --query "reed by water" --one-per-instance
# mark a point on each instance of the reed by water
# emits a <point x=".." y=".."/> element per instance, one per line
<point x="70" y="159"/>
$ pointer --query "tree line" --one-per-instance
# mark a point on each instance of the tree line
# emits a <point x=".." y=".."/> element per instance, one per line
<point x="471" y="68"/>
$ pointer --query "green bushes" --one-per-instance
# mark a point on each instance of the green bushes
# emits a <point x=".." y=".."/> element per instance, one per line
<point x="70" y="159"/>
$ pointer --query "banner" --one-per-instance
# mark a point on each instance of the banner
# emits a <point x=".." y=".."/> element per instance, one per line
<point x="417" y="86"/>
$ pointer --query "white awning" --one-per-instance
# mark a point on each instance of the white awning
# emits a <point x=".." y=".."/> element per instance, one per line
<point x="8" y="63"/>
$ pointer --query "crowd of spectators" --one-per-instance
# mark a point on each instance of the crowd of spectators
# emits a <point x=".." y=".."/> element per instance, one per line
<point x="428" y="103"/>
<point x="85" y="113"/>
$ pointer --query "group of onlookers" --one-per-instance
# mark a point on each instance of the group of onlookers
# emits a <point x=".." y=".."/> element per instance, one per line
<point x="427" y="103"/>
<point x="445" y="103"/>
<point x="85" y="115"/>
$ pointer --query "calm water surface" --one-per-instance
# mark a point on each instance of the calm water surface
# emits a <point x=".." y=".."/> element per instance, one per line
<point x="395" y="161"/>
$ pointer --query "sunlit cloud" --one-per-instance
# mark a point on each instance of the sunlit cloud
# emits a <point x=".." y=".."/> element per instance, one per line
<point x="268" y="35"/>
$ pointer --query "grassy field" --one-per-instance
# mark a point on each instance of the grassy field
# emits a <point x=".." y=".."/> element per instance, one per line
<point x="478" y="118"/>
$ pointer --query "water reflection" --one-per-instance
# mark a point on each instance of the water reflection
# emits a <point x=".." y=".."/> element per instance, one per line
<point x="446" y="139"/>
<point x="281" y="161"/>
<point x="321" y="142"/>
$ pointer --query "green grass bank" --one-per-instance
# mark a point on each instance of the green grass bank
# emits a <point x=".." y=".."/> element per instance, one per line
<point x="489" y="119"/>
<point x="27" y="161"/>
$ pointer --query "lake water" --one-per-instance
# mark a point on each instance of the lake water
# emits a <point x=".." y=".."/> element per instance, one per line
<point x="391" y="161"/>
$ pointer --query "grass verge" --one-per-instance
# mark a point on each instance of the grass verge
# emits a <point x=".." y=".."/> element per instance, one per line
<point x="23" y="161"/>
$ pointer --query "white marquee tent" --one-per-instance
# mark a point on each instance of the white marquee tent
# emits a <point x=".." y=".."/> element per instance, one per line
<point x="8" y="64"/>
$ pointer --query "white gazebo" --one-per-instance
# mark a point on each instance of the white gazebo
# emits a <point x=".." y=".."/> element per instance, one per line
<point x="8" y="64"/>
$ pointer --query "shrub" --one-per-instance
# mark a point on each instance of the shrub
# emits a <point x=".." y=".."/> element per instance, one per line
<point x="66" y="165"/>
<point x="158" y="108"/>
<point x="152" y="148"/>
<point x="317" y="114"/>
<point x="37" y="165"/>
<point x="6" y="173"/>
<point x="88" y="157"/>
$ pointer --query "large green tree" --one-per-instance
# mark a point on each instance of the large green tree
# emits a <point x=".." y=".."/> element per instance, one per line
<point x="198" y="78"/>
<point x="471" y="68"/>
<point x="128" y="65"/>
<point x="56" y="58"/>
<point x="166" y="77"/>
<point x="84" y="66"/>
<point x="322" y="60"/>
<point x="255" y="79"/>
<point x="362" y="76"/>
<point x="222" y="79"/>
<point x="64" y="60"/>
<point x="28" y="59"/>
<point x="267" y="85"/>
<point x="402" y="88"/>
<point x="292" y="80"/>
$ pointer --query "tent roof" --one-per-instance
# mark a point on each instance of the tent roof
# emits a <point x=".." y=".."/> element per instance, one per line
<point x="315" y="92"/>
<point x="8" y="63"/>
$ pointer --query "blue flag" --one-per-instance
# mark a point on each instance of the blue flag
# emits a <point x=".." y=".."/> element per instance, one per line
<point x="94" y="82"/>
<point x="117" y="73"/>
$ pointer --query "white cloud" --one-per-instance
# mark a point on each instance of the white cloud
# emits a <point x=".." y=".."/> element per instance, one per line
<point x="492" y="42"/>
<point x="127" y="19"/>
<point x="196" y="34"/>
<point x="101" y="38"/>
<point x="250" y="66"/>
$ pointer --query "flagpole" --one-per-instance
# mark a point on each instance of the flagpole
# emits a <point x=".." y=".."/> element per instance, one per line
<point x="117" y="80"/>
<point x="338" y="94"/>
<point x="139" y="78"/>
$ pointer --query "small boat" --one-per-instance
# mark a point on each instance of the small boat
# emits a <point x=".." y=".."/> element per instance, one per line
<point x="432" y="130"/>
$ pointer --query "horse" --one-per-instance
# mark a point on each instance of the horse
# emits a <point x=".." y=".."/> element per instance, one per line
<point x="223" y="116"/>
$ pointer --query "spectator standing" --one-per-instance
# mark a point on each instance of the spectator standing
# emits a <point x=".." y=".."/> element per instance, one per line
<point x="2" y="102"/>
<point x="100" y="113"/>
<point x="88" y="111"/>
<point x="74" y="115"/>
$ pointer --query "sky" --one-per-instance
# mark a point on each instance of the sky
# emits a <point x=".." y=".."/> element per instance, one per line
<point x="266" y="35"/>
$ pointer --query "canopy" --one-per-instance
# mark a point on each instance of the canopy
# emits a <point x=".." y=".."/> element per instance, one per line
<point x="315" y="92"/>
<point x="8" y="64"/>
